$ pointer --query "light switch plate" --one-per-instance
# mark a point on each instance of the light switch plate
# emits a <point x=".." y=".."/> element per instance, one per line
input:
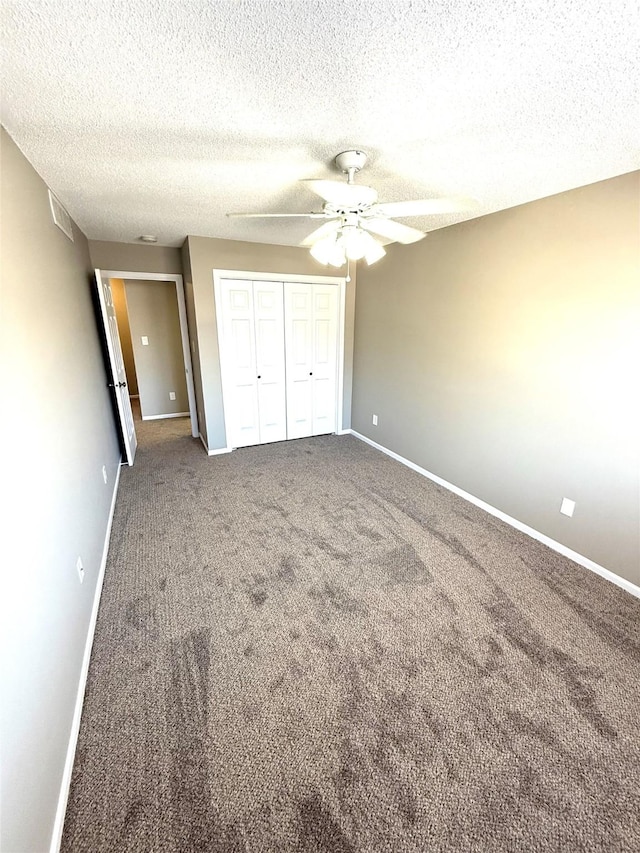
<point x="145" y="341"/>
<point x="567" y="507"/>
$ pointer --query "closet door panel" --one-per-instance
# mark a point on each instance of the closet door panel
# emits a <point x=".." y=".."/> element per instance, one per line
<point x="298" y="302"/>
<point x="324" y="407"/>
<point x="325" y="358"/>
<point x="270" y="360"/>
<point x="240" y="378"/>
<point x="301" y="346"/>
<point x="298" y="409"/>
<point x="245" y="416"/>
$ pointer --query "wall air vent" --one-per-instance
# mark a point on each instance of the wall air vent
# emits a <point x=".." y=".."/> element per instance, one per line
<point x="60" y="216"/>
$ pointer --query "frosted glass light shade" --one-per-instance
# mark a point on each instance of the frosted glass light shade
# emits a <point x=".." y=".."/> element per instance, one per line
<point x="354" y="241"/>
<point x="328" y="251"/>
<point x="374" y="253"/>
<point x="350" y="242"/>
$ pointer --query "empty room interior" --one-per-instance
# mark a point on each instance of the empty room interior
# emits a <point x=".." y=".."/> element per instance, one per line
<point x="321" y="360"/>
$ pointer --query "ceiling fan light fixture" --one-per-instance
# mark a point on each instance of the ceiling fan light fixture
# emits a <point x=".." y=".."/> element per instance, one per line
<point x="328" y="251"/>
<point x="374" y="253"/>
<point x="354" y="240"/>
<point x="349" y="243"/>
<point x="337" y="257"/>
<point x="360" y="244"/>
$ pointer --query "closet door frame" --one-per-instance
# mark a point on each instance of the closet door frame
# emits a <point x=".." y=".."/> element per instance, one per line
<point x="247" y="275"/>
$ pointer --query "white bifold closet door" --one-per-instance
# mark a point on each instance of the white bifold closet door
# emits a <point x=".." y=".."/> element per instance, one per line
<point x="311" y="347"/>
<point x="254" y="364"/>
<point x="279" y="359"/>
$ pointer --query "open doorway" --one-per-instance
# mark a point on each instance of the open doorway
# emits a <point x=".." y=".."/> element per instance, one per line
<point x="152" y="329"/>
<point x="149" y="327"/>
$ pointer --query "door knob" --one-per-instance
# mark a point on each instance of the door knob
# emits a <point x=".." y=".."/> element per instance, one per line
<point x="310" y="374"/>
<point x="259" y="377"/>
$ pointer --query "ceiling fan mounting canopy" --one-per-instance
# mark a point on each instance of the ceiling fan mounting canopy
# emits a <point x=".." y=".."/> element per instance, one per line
<point x="353" y="215"/>
<point x="351" y="162"/>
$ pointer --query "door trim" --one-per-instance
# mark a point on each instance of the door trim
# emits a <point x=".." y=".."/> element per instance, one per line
<point x="184" y="329"/>
<point x="251" y="275"/>
<point x="216" y="452"/>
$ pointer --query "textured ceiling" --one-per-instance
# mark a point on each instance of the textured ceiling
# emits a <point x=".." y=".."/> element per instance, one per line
<point x="160" y="116"/>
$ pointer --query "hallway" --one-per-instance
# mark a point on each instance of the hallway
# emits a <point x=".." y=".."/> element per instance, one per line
<point x="151" y="433"/>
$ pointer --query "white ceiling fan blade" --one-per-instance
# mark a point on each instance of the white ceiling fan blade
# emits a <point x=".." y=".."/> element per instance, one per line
<point x="342" y="194"/>
<point x="323" y="231"/>
<point x="276" y="215"/>
<point x="425" y="206"/>
<point x="394" y="231"/>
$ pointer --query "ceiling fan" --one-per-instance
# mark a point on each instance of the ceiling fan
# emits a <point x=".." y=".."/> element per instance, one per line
<point x="353" y="216"/>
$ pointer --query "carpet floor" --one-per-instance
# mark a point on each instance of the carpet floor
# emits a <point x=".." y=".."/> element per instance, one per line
<point x="308" y="647"/>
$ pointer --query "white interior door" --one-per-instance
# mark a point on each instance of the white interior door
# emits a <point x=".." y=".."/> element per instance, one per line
<point x="311" y="324"/>
<point x="240" y="375"/>
<point x="116" y="365"/>
<point x="298" y="309"/>
<point x="269" y="331"/>
<point x="279" y="358"/>
<point x="325" y="358"/>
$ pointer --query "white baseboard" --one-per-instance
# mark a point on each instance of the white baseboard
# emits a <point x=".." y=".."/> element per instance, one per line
<point x="58" y="826"/>
<point x="519" y="525"/>
<point x="161" y="417"/>
<point x="344" y="432"/>
<point x="214" y="452"/>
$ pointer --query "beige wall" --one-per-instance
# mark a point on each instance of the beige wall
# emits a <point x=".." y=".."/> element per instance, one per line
<point x="502" y="354"/>
<point x="124" y="331"/>
<point x="206" y="254"/>
<point x="59" y="434"/>
<point x="135" y="257"/>
<point x="153" y="313"/>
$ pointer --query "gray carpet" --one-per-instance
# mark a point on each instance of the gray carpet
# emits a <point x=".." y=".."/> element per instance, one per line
<point x="308" y="647"/>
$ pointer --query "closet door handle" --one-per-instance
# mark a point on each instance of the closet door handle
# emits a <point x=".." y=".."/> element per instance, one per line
<point x="310" y="374"/>
<point x="259" y="377"/>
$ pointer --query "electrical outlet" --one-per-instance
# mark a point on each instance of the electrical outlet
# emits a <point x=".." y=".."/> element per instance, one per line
<point x="375" y="420"/>
<point x="104" y="474"/>
<point x="80" y="569"/>
<point x="172" y="395"/>
<point x="567" y="507"/>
